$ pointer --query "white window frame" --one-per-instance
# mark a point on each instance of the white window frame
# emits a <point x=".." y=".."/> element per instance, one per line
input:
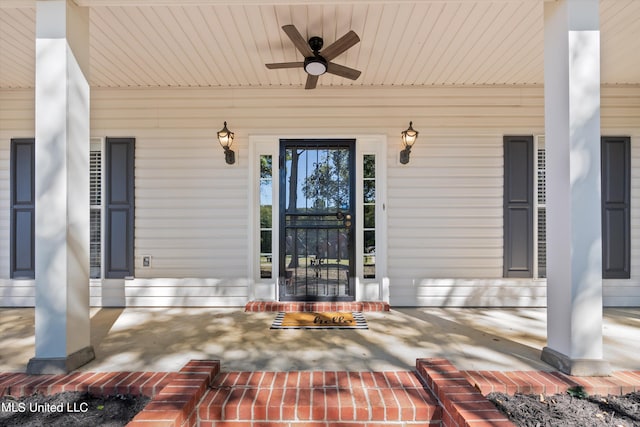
<point x="374" y="288"/>
<point x="539" y="143"/>
<point x="97" y="144"/>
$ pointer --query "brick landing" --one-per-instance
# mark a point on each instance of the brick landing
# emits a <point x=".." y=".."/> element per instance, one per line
<point x="435" y="394"/>
<point x="259" y="306"/>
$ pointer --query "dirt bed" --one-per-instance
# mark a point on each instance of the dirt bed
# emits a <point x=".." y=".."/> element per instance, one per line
<point x="69" y="409"/>
<point x="568" y="410"/>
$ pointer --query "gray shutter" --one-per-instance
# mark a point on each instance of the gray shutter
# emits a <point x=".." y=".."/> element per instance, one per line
<point x="119" y="256"/>
<point x="616" y="207"/>
<point x="518" y="206"/>
<point x="23" y="208"/>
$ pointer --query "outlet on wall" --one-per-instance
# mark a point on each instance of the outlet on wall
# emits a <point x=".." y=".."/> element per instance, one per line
<point x="146" y="261"/>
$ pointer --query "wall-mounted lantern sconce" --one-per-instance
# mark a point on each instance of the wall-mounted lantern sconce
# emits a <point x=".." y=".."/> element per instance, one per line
<point x="225" y="137"/>
<point x="409" y="137"/>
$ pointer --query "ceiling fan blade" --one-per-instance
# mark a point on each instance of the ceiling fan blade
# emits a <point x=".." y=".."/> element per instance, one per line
<point x="340" y="45"/>
<point x="312" y="81"/>
<point x="284" y="65"/>
<point x="342" y="71"/>
<point x="298" y="40"/>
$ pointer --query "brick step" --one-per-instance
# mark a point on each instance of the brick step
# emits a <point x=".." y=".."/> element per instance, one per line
<point x="536" y="382"/>
<point x="318" y="398"/>
<point x="95" y="383"/>
<point x="260" y="306"/>
<point x="199" y="395"/>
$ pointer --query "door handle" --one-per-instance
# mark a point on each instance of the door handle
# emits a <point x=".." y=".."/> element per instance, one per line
<point x="346" y="219"/>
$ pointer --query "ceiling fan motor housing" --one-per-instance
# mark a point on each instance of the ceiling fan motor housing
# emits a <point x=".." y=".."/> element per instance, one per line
<point x="316" y="43"/>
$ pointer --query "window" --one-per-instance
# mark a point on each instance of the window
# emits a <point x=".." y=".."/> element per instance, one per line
<point x="616" y="226"/>
<point x="95" y="188"/>
<point x="541" y="209"/>
<point x="369" y="223"/>
<point x="525" y="219"/>
<point x="266" y="209"/>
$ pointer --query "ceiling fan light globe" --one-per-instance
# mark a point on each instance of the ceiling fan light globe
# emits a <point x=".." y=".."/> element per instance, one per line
<point x="315" y="66"/>
<point x="316" y="69"/>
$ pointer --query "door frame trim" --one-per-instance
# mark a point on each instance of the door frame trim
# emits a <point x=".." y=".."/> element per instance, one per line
<point x="269" y="144"/>
<point x="329" y="143"/>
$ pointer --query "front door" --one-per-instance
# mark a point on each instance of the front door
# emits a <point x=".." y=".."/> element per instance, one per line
<point x="317" y="216"/>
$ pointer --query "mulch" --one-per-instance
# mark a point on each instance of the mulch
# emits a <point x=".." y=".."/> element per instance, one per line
<point x="571" y="409"/>
<point x="70" y="409"/>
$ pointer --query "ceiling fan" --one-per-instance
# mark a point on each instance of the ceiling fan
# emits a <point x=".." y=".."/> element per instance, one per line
<point x="315" y="62"/>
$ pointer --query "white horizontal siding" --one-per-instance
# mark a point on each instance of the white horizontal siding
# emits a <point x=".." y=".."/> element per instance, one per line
<point x="107" y="292"/>
<point x="445" y="221"/>
<point x="444" y="209"/>
<point x="475" y="292"/>
<point x="191" y="209"/>
<point x="17" y="293"/>
<point x="189" y="292"/>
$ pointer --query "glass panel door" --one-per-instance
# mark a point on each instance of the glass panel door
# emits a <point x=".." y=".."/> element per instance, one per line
<point x="317" y="215"/>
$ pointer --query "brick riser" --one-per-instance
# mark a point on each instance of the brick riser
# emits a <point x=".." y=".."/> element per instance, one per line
<point x="318" y="399"/>
<point x="461" y="393"/>
<point x="94" y="383"/>
<point x="462" y="404"/>
<point x="261" y="306"/>
<point x="199" y="395"/>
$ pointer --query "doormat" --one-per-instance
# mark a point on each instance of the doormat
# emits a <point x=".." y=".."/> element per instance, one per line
<point x="325" y="320"/>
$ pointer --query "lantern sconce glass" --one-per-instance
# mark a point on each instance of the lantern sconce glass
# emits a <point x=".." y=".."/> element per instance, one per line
<point x="225" y="137"/>
<point x="409" y="137"/>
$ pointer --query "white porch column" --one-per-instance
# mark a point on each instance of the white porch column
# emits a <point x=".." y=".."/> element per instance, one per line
<point x="62" y="188"/>
<point x="572" y="128"/>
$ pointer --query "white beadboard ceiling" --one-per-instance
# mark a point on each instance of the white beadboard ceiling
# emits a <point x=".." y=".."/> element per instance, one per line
<point x="216" y="43"/>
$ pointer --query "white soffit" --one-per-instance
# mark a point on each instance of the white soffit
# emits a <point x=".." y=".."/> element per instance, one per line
<point x="200" y="43"/>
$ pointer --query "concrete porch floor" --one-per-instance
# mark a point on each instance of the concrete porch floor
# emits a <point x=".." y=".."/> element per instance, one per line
<point x="165" y="339"/>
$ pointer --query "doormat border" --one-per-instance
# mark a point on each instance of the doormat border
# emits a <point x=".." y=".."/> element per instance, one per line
<point x="361" y="322"/>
